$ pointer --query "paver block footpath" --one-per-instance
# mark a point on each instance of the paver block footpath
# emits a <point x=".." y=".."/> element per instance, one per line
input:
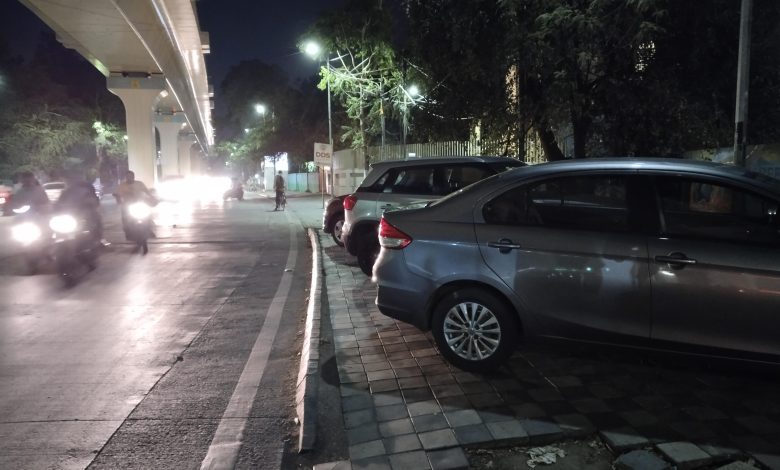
<point x="685" y="455"/>
<point x="641" y="460"/>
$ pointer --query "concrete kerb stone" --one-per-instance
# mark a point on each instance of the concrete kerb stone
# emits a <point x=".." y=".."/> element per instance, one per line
<point x="307" y="389"/>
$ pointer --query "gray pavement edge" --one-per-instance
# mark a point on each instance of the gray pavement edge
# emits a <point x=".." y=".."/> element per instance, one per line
<point x="306" y="388"/>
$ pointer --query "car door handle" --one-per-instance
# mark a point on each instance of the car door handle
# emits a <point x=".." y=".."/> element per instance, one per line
<point x="676" y="259"/>
<point x="504" y="245"/>
<point x="386" y="206"/>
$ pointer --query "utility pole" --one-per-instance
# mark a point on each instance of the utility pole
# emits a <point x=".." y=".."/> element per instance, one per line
<point x="743" y="82"/>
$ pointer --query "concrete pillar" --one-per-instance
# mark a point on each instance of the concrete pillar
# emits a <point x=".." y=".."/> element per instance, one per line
<point x="185" y="159"/>
<point x="139" y="95"/>
<point x="169" y="125"/>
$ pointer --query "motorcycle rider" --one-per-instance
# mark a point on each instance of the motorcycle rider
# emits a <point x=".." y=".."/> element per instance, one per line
<point x="30" y="193"/>
<point x="128" y="192"/>
<point x="80" y="198"/>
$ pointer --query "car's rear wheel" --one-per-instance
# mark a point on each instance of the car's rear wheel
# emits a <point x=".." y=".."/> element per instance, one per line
<point x="338" y="229"/>
<point x="474" y="329"/>
<point x="368" y="251"/>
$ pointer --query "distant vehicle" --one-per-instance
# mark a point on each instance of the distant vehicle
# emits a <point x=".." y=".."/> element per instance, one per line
<point x="333" y="218"/>
<point x="660" y="254"/>
<point x="5" y="200"/>
<point x="393" y="184"/>
<point x="54" y="189"/>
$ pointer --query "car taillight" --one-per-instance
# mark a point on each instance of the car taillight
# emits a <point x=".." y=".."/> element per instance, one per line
<point x="349" y="202"/>
<point x="392" y="238"/>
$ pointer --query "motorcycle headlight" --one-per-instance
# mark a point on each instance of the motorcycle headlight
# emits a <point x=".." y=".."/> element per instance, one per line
<point x="139" y="210"/>
<point x="26" y="233"/>
<point x="63" y="223"/>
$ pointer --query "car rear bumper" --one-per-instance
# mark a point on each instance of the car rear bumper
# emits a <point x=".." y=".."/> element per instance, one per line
<point x="401" y="294"/>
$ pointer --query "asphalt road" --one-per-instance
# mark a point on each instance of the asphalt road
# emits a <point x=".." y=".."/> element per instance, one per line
<point x="136" y="365"/>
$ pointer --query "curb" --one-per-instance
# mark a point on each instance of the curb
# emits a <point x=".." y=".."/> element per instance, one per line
<point x="306" y="386"/>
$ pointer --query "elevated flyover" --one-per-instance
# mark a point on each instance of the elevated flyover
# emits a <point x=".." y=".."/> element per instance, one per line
<point x="152" y="54"/>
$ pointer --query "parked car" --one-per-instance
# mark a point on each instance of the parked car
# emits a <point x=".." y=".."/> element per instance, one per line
<point x="662" y="254"/>
<point x="399" y="183"/>
<point x="5" y="199"/>
<point x="54" y="189"/>
<point x="333" y="218"/>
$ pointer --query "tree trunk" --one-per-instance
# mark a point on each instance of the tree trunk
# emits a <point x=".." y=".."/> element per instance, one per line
<point x="549" y="145"/>
<point x="580" y="128"/>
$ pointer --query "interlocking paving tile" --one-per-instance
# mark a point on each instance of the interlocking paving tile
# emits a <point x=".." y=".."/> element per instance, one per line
<point x="473" y="434"/>
<point x="416" y="460"/>
<point x="403" y="443"/>
<point x="379" y="462"/>
<point x="528" y="410"/>
<point x="384" y="385"/>
<point x="685" y="455"/>
<point x="406" y="372"/>
<point x="365" y="433"/>
<point x="375" y="366"/>
<point x="378" y="375"/>
<point x="511" y="430"/>
<point x="353" y="419"/>
<point x="448" y="459"/>
<point x="621" y="440"/>
<point x="575" y="425"/>
<point x="462" y="418"/>
<point x="396" y="427"/>
<point x="455" y="403"/>
<point x="641" y="460"/>
<point x="391" y="412"/>
<point x="423" y="408"/>
<point x="541" y="431"/>
<point x="417" y="394"/>
<point x="438" y="439"/>
<point x="639" y="418"/>
<point x="412" y="382"/>
<point x="366" y="450"/>
<point x="387" y="398"/>
<point x="429" y="422"/>
<point x="356" y="402"/>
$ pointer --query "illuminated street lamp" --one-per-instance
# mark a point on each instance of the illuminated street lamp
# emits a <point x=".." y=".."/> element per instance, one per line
<point x="313" y="50"/>
<point x="412" y="93"/>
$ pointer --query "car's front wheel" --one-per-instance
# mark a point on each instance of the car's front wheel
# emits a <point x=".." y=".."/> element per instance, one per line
<point x="338" y="229"/>
<point x="474" y="329"/>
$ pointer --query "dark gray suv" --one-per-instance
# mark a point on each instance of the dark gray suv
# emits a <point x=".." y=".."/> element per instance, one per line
<point x="402" y="183"/>
<point x="662" y="254"/>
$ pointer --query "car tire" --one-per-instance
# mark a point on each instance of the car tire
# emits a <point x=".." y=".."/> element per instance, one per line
<point x="367" y="252"/>
<point x="495" y="340"/>
<point x="337" y="229"/>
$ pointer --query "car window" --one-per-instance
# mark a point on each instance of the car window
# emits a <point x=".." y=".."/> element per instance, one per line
<point x="591" y="202"/>
<point x="699" y="208"/>
<point x="418" y="180"/>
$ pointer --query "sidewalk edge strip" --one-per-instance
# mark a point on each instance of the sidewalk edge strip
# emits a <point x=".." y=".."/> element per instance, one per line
<point x="306" y="390"/>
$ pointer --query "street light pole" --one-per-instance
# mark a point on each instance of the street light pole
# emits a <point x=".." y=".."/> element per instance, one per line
<point x="743" y="81"/>
<point x="330" y="128"/>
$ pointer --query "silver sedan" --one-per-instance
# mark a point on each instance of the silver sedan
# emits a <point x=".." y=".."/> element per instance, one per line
<point x="649" y="253"/>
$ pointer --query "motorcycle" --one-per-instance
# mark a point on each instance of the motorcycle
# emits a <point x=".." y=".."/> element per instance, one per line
<point x="237" y="192"/>
<point x="74" y="245"/>
<point x="139" y="224"/>
<point x="33" y="234"/>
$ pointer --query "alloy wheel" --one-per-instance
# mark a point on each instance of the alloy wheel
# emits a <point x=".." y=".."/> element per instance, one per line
<point x="472" y="331"/>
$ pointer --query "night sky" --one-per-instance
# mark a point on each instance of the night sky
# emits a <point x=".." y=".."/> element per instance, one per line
<point x="239" y="30"/>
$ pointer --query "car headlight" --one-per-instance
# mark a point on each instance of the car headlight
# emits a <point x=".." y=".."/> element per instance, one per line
<point x="139" y="210"/>
<point x="63" y="223"/>
<point x="21" y="210"/>
<point x="26" y="233"/>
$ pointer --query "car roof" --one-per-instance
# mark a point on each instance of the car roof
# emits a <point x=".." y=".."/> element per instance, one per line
<point x="660" y="165"/>
<point x="443" y="160"/>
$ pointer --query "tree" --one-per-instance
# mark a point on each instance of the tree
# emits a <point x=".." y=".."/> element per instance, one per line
<point x="364" y="76"/>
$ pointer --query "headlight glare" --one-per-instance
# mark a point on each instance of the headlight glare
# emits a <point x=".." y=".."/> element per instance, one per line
<point x="63" y="223"/>
<point x="139" y="210"/>
<point x="26" y="233"/>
